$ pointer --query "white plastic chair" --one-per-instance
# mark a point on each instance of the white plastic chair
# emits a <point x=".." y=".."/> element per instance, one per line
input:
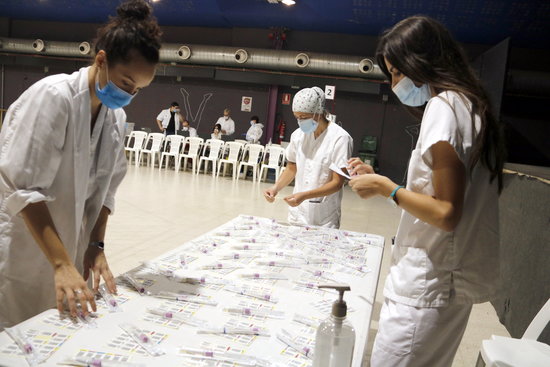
<point x="175" y="142"/>
<point x="154" y="142"/>
<point x="195" y="145"/>
<point x="502" y="351"/>
<point x="135" y="149"/>
<point x="275" y="161"/>
<point x="255" y="152"/>
<point x="213" y="154"/>
<point x="233" y="157"/>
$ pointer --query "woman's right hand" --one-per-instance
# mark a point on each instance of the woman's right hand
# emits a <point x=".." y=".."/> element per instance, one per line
<point x="270" y="194"/>
<point x="357" y="167"/>
<point x="70" y="285"/>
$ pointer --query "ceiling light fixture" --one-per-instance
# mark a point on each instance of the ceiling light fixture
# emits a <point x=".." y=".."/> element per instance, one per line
<point x="288" y="2"/>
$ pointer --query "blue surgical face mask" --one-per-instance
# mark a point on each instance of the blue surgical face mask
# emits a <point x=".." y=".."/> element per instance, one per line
<point x="308" y="125"/>
<point x="111" y="95"/>
<point x="411" y="95"/>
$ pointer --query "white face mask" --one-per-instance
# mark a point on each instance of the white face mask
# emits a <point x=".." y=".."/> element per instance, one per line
<point x="411" y="95"/>
<point x="226" y="117"/>
<point x="252" y="123"/>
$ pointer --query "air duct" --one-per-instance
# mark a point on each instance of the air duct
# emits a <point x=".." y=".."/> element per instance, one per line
<point x="221" y="56"/>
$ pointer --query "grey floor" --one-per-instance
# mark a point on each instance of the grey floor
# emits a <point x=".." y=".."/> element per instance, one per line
<point x="157" y="210"/>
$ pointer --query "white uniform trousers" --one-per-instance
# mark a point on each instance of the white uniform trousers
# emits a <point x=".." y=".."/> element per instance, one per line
<point x="418" y="336"/>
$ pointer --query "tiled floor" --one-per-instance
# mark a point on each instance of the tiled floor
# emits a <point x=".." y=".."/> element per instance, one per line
<point x="159" y="210"/>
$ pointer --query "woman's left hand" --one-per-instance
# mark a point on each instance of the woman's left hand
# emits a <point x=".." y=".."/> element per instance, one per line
<point x="295" y="199"/>
<point x="95" y="260"/>
<point x="369" y="185"/>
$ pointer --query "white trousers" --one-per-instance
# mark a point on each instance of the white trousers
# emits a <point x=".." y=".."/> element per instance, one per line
<point x="418" y="336"/>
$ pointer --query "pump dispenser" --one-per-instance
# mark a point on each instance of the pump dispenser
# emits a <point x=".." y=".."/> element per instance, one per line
<point x="335" y="338"/>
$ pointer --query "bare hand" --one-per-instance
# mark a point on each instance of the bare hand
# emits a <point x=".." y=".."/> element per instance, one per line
<point x="95" y="260"/>
<point x="294" y="199"/>
<point x="69" y="284"/>
<point x="270" y="194"/>
<point x="357" y="167"/>
<point x="367" y="186"/>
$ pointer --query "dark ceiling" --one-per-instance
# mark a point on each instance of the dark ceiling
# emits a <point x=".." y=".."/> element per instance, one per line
<point x="527" y="22"/>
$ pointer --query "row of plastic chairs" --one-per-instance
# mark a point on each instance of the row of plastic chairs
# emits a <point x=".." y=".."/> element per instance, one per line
<point x="217" y="153"/>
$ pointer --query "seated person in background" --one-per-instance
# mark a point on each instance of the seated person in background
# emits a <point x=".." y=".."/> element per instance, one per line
<point x="226" y="122"/>
<point x="255" y="131"/>
<point x="186" y="127"/>
<point x="217" y="132"/>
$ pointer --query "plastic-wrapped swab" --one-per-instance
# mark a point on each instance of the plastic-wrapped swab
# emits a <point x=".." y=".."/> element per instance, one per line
<point x="321" y="274"/>
<point x="24" y="343"/>
<point x="219" y="266"/>
<point x="236" y="256"/>
<point x="109" y="299"/>
<point x="169" y="315"/>
<point x="137" y="286"/>
<point x="142" y="339"/>
<point x="277" y="263"/>
<point x="185" y="298"/>
<point x="253" y="294"/>
<point x="186" y="277"/>
<point x="226" y="330"/>
<point x="87" y="320"/>
<point x="306" y="320"/>
<point x="207" y="354"/>
<point x="286" y="338"/>
<point x="272" y="314"/>
<point x="247" y="247"/>
<point x="96" y="362"/>
<point x="263" y="275"/>
<point x="308" y="284"/>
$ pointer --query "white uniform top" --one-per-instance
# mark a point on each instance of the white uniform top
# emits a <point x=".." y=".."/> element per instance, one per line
<point x="227" y="125"/>
<point x="254" y="133"/>
<point x="313" y="158"/>
<point x="217" y="136"/>
<point x="431" y="267"/>
<point x="47" y="154"/>
<point x="164" y="118"/>
<point x="192" y="131"/>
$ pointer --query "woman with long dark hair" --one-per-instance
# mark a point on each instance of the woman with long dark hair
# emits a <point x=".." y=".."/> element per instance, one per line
<point x="446" y="250"/>
<point x="61" y="161"/>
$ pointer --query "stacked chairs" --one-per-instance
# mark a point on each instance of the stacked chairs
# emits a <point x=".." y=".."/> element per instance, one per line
<point x="195" y="144"/>
<point x="255" y="154"/>
<point x="134" y="147"/>
<point x="152" y="149"/>
<point x="211" y="153"/>
<point x="176" y="142"/>
<point x="234" y="155"/>
<point x="276" y="160"/>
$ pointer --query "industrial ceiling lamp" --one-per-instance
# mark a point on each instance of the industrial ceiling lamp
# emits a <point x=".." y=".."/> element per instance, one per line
<point x="288" y="2"/>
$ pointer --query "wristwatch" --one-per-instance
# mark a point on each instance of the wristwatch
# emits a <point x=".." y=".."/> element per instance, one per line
<point x="392" y="199"/>
<point x="98" y="244"/>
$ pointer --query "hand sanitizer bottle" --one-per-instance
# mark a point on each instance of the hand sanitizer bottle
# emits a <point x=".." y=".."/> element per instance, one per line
<point x="335" y="337"/>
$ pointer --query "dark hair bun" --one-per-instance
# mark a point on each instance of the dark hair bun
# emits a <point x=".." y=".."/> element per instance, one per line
<point x="134" y="10"/>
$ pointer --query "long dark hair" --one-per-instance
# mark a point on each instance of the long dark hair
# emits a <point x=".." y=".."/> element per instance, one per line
<point x="423" y="49"/>
<point x="134" y="28"/>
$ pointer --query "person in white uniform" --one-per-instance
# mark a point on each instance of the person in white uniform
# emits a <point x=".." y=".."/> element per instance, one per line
<point x="313" y="147"/>
<point x="226" y="122"/>
<point x="61" y="161"/>
<point x="169" y="120"/>
<point x="446" y="250"/>
<point x="255" y="131"/>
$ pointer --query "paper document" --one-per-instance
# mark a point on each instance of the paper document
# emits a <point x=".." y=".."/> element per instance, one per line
<point x="337" y="169"/>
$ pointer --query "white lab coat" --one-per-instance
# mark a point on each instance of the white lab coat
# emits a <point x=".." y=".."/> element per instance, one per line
<point x="47" y="154"/>
<point x="431" y="267"/>
<point x="227" y="125"/>
<point x="164" y="118"/>
<point x="192" y="131"/>
<point x="254" y="133"/>
<point x="313" y="158"/>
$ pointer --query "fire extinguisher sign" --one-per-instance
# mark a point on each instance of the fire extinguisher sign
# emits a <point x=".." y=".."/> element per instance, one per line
<point x="286" y="98"/>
